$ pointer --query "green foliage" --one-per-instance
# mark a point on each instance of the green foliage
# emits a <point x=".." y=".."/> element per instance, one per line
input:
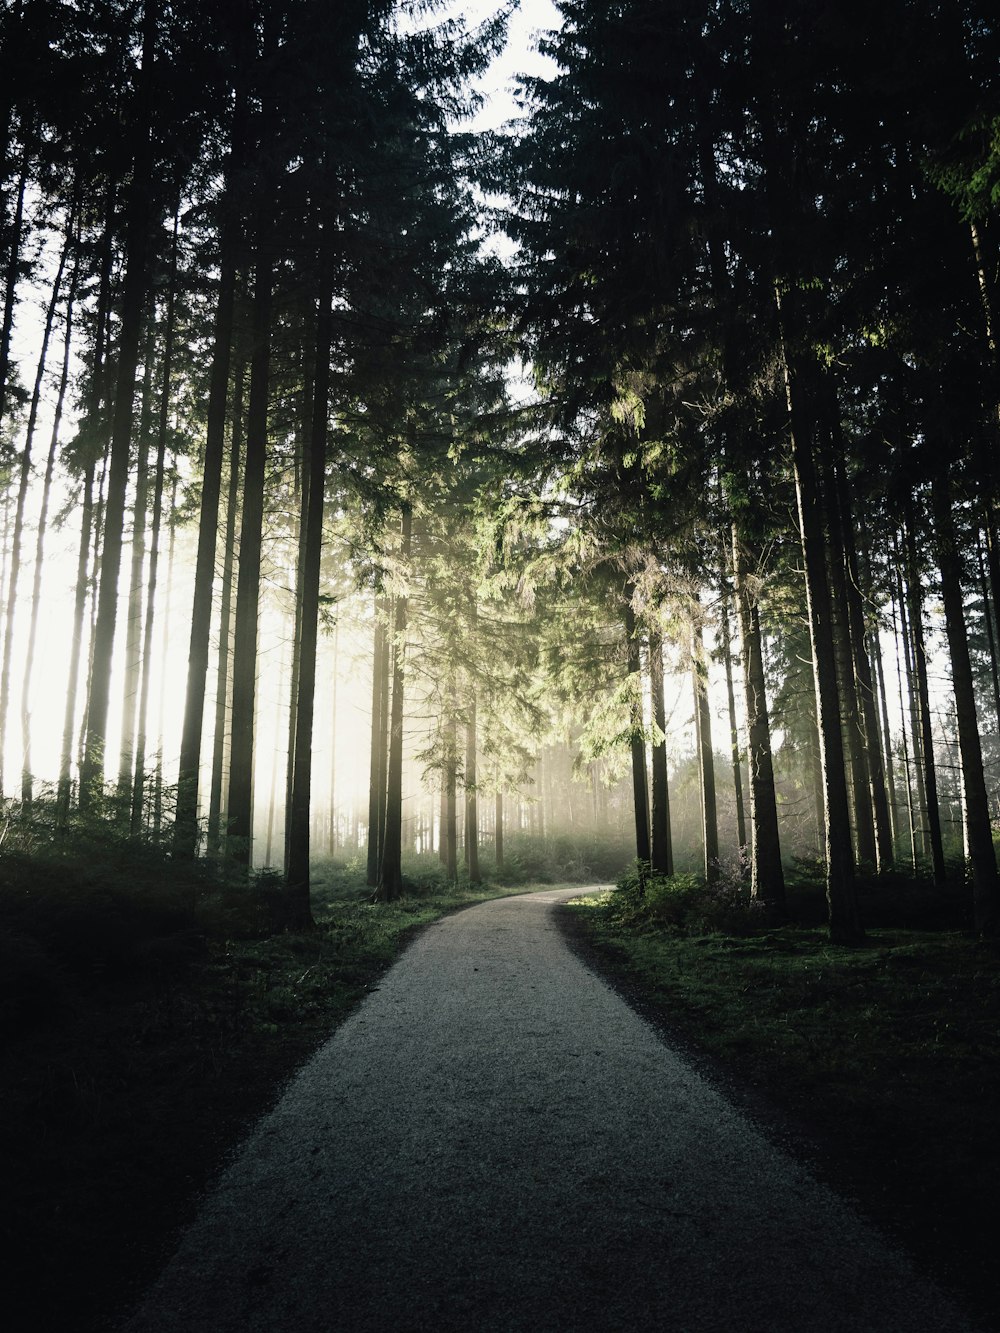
<point x="682" y="903"/>
<point x="562" y="859"/>
<point x="877" y="1053"/>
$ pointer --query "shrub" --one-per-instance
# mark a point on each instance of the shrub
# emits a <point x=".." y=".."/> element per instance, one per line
<point x="682" y="902"/>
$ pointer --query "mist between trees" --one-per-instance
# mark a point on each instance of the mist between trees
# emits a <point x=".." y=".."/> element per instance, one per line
<point x="291" y="566"/>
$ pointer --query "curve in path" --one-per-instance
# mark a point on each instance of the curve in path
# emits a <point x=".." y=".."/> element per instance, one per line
<point x="494" y="1140"/>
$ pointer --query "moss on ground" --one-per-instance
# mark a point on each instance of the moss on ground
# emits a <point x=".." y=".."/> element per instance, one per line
<point x="885" y="1059"/>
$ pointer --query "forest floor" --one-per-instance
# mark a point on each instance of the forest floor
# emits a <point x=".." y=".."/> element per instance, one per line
<point x="879" y="1064"/>
<point x="139" y="1040"/>
<point x="495" y="1141"/>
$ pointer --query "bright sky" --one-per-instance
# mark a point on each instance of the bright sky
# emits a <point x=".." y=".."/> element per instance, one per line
<point x="520" y="56"/>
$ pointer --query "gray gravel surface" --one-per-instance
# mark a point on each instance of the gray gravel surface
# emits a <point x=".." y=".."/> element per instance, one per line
<point x="495" y="1140"/>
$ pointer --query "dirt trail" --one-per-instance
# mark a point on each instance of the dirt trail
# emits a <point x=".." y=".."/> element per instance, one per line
<point x="496" y="1141"/>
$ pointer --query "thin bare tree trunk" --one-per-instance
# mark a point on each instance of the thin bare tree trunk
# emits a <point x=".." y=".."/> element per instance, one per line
<point x="240" y="801"/>
<point x="662" y="852"/>
<point x="923" y="707"/>
<point x="13" y="264"/>
<point x="390" y="880"/>
<point x="220" y="740"/>
<point x="706" y="754"/>
<point x="471" y="798"/>
<point x="297" y="910"/>
<point x="734" y="728"/>
<point x="133" y="297"/>
<point x="767" y="879"/>
<point x="379" y="742"/>
<point x="24" y="483"/>
<point x="139" y="778"/>
<point x="186" y="823"/>
<point x="979" y="833"/>
<point x="133" y="620"/>
<point x="844" y="917"/>
<point x="640" y="795"/>
<point x="43" y="516"/>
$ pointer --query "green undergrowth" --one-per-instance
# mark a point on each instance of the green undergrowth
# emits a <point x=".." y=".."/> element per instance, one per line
<point x="883" y="1059"/>
<point x="148" y="1015"/>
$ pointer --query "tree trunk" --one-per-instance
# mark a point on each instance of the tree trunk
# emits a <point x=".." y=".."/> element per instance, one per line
<point x="133" y="299"/>
<point x="640" y="796"/>
<point x="734" y="729"/>
<point x="300" y="491"/>
<point x="390" y="880"/>
<point x="862" y="673"/>
<point x="240" y="800"/>
<point x="706" y="755"/>
<point x="167" y="609"/>
<point x="767" y="878"/>
<point x="220" y="738"/>
<point x="298" y="911"/>
<point x="662" y="853"/>
<point x="24" y="483"/>
<point x="186" y="822"/>
<point x="844" y="918"/>
<point x="379" y="744"/>
<point x="471" y="797"/>
<point x="923" y="702"/>
<point x="36" y="589"/>
<point x="13" y="266"/>
<point x="850" y="707"/>
<point x="898" y="637"/>
<point x="133" y="622"/>
<point x="449" y="834"/>
<point x="985" y="884"/>
<point x="332" y="842"/>
<point x="498" y="829"/>
<point x="152" y="574"/>
<point x="923" y="763"/>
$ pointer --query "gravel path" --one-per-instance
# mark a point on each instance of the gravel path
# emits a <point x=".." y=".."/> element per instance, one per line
<point x="495" y="1140"/>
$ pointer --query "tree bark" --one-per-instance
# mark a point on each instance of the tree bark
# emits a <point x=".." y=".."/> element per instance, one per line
<point x="240" y="799"/>
<point x="215" y="839"/>
<point x="734" y="730"/>
<point x="133" y="299"/>
<point x="36" y="589"/>
<point x="449" y="834"/>
<point x="298" y="911"/>
<point x="186" y="822"/>
<point x="844" y="917"/>
<point x="390" y="880"/>
<point x="13" y="266"/>
<point x="471" y="797"/>
<point x="850" y="707"/>
<point x="923" y="703"/>
<point x="24" y="483"/>
<point x="985" y="883"/>
<point x="152" y="574"/>
<point x="662" y="852"/>
<point x="133" y="620"/>
<point x="379" y="744"/>
<point x="882" y="822"/>
<point x="706" y="755"/>
<point x="640" y="798"/>
<point x="767" y="878"/>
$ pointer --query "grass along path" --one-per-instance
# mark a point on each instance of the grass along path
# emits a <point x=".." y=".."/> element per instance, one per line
<point x="133" y="1061"/>
<point x="884" y="1060"/>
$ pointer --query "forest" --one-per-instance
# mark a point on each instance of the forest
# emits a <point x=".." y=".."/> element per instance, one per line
<point x="611" y="491"/>
<point x="680" y="389"/>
